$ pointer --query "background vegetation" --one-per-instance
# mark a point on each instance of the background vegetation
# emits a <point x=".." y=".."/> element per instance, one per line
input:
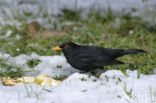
<point x="100" y="28"/>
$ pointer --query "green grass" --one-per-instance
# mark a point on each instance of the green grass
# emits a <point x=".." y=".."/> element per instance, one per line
<point x="32" y="63"/>
<point x="99" y="28"/>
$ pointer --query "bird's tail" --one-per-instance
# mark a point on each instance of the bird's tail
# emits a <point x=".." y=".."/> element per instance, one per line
<point x="132" y="51"/>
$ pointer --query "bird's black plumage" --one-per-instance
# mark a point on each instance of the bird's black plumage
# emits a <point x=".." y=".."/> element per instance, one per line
<point x="92" y="57"/>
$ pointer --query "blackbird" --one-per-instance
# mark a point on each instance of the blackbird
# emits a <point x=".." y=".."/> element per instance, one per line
<point x="88" y="58"/>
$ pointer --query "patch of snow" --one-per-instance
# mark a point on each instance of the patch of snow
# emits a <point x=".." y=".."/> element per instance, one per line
<point x="8" y="33"/>
<point x="4" y="55"/>
<point x="47" y="66"/>
<point x="154" y="70"/>
<point x="12" y="22"/>
<point x="24" y="94"/>
<point x="92" y="90"/>
<point x="17" y="37"/>
<point x="98" y="4"/>
<point x="103" y="91"/>
<point x="48" y="8"/>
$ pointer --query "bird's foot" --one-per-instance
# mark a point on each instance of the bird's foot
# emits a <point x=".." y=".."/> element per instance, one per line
<point x="99" y="73"/>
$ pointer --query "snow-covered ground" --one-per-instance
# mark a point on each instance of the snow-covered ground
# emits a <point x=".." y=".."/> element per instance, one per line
<point x="74" y="90"/>
<point x="85" y="4"/>
<point x="40" y="8"/>
<point x="112" y="86"/>
<point x="47" y="66"/>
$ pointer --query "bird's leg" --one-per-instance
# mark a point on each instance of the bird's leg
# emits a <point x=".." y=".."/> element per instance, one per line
<point x="97" y="72"/>
<point x="100" y="71"/>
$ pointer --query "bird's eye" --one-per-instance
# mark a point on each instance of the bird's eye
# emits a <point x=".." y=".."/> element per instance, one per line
<point x="66" y="47"/>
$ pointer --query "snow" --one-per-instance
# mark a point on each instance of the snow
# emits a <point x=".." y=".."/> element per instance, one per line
<point x="74" y="90"/>
<point x="21" y="95"/>
<point x="103" y="90"/>
<point x="40" y="8"/>
<point x="6" y="35"/>
<point x="55" y="5"/>
<point x="47" y="66"/>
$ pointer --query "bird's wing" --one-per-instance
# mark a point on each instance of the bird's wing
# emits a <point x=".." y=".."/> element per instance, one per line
<point x="95" y="56"/>
<point x="112" y="53"/>
<point x="85" y="58"/>
<point x="90" y="59"/>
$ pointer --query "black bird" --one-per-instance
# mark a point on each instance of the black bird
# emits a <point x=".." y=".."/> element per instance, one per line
<point x="88" y="58"/>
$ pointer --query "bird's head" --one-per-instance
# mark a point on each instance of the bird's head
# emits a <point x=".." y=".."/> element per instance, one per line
<point x="66" y="47"/>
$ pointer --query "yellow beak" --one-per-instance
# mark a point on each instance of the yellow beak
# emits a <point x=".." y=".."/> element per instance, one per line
<point x="57" y="48"/>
